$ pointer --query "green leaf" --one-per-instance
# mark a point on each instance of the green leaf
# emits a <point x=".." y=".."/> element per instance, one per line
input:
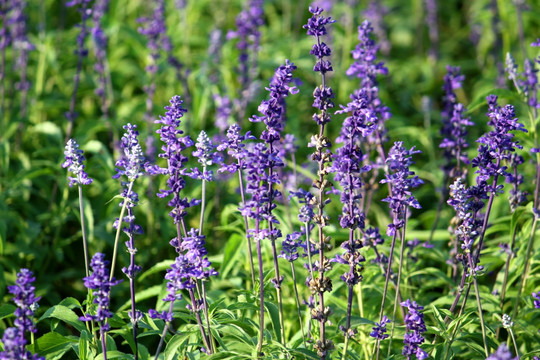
<point x="6" y="310"/>
<point x="232" y="251"/>
<point x="64" y="314"/>
<point x="52" y="345"/>
<point x="84" y="346"/>
<point x="71" y="303"/>
<point x="501" y="93"/>
<point x="113" y="354"/>
<point x="174" y="344"/>
<point x="274" y="315"/>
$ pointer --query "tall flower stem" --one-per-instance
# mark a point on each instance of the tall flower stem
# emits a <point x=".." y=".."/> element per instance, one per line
<point x="203" y="203"/>
<point x="298" y="304"/>
<point x="119" y="229"/>
<point x="277" y="278"/>
<point x="246" y="225"/>
<point x="164" y="333"/>
<point x="479" y="305"/>
<point x="261" y="288"/>
<point x="385" y="291"/>
<point x="83" y="230"/>
<point x="396" y="298"/>
<point x="103" y="342"/>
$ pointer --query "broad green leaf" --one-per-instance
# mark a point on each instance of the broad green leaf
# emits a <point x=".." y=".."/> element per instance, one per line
<point x="114" y="354"/>
<point x="171" y="351"/>
<point x="64" y="314"/>
<point x="84" y="346"/>
<point x="52" y="345"/>
<point x="274" y="315"/>
<point x="6" y="310"/>
<point x="232" y="251"/>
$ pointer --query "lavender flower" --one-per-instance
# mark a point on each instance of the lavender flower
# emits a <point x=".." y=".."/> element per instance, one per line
<point x="454" y="124"/>
<point x="247" y="31"/>
<point x="100" y="43"/>
<point x="432" y="23"/>
<point x="536" y="301"/>
<point x="74" y="162"/>
<point x="497" y="145"/>
<point x="375" y="14"/>
<point x="399" y="160"/>
<point x="18" y="24"/>
<point x="379" y="330"/>
<point x="175" y="143"/>
<point x="14" y="346"/>
<point x="235" y="147"/>
<point x="414" y="321"/>
<point x="26" y="301"/>
<point x="206" y="156"/>
<point x="290" y="247"/>
<point x="273" y="109"/>
<point x="82" y="52"/>
<point x="323" y="95"/>
<point x="502" y="353"/>
<point x="101" y="285"/>
<point x="133" y="164"/>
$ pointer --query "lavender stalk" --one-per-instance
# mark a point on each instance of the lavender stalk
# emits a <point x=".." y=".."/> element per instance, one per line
<point x="74" y="162"/>
<point x="323" y="95"/>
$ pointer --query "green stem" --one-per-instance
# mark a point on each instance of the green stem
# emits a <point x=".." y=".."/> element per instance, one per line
<point x="396" y="298"/>
<point x="527" y="267"/>
<point x="298" y="304"/>
<point x="119" y="228"/>
<point x="83" y="229"/>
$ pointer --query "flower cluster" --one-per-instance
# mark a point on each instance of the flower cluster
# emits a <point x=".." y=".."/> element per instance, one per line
<point x="14" y="337"/>
<point x="14" y="346"/>
<point x="454" y="124"/>
<point x="526" y="82"/>
<point x="175" y="143"/>
<point x="235" y="146"/>
<point x="379" y="330"/>
<point x="101" y="285"/>
<point x="273" y="109"/>
<point x="260" y="207"/>
<point x="290" y="246"/>
<point x="190" y="265"/>
<point x="414" y="321"/>
<point x="206" y="156"/>
<point x="74" y="162"/>
<point x="100" y="42"/>
<point x="399" y="160"/>
<point x="496" y="145"/>
<point x="536" y="301"/>
<point x="367" y="68"/>
<point x="502" y="353"/>
<point x="247" y="31"/>
<point x="26" y="301"/>
<point x="133" y="163"/>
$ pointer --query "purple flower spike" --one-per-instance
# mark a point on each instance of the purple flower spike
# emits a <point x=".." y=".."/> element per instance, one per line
<point x="414" y="321"/>
<point x="74" y="162"/>
<point x="379" y="330"/>
<point x="101" y="286"/>
<point x="235" y="147"/>
<point x="133" y="164"/>
<point x="175" y="143"/>
<point x="502" y="353"/>
<point x="536" y="302"/>
<point x="14" y="346"/>
<point x="26" y="301"/>
<point x="399" y="159"/>
<point x="206" y="156"/>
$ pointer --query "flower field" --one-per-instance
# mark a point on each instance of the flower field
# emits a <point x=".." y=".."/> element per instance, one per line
<point x="269" y="179"/>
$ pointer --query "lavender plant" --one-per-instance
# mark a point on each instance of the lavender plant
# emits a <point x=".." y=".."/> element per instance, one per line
<point x="74" y="162"/>
<point x="101" y="284"/>
<point x="81" y="52"/>
<point x="14" y="338"/>
<point x="323" y="95"/>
